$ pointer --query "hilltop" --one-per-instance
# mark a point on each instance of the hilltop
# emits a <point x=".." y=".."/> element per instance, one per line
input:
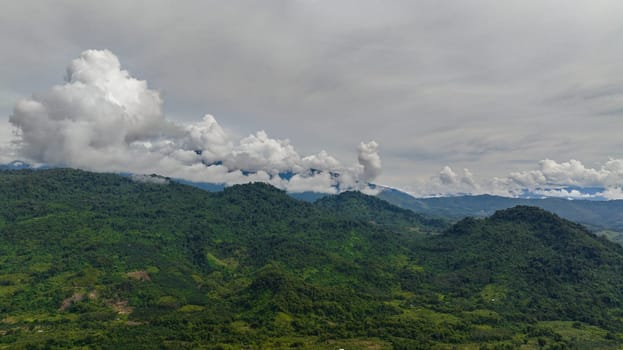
<point x="604" y="217"/>
<point x="101" y="259"/>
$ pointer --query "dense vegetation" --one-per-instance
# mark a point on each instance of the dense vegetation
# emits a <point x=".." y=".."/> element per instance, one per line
<point x="358" y="206"/>
<point x="100" y="260"/>
<point x="602" y="217"/>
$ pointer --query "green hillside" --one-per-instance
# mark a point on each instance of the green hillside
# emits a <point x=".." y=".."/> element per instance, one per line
<point x="100" y="261"/>
<point x="597" y="215"/>
<point x="535" y="263"/>
<point x="358" y="206"/>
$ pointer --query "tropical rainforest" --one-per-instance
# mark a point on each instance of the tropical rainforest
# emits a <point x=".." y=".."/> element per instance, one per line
<point x="105" y="261"/>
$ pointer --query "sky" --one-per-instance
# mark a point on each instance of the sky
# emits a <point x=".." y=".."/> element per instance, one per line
<point x="430" y="97"/>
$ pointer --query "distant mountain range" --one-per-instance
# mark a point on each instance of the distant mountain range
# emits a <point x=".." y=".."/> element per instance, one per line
<point x="15" y="165"/>
<point x="605" y="217"/>
<point x="597" y="215"/>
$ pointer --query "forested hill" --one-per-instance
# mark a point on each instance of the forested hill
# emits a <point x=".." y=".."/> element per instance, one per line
<point x="99" y="260"/>
<point x="598" y="215"/>
<point x="359" y="206"/>
<point x="533" y="262"/>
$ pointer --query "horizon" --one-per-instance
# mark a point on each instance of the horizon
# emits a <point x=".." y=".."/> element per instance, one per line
<point x="431" y="99"/>
<point x="592" y="194"/>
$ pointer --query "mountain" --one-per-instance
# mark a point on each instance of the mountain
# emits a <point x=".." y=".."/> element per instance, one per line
<point x="135" y="264"/>
<point x="99" y="260"/>
<point x="206" y="186"/>
<point x="532" y="262"/>
<point x="597" y="215"/>
<point x="604" y="217"/>
<point x="358" y="206"/>
<point x="15" y="165"/>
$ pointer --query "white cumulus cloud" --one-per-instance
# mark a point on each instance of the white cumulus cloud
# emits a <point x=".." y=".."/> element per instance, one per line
<point x="369" y="160"/>
<point x="103" y="119"/>
<point x="550" y="178"/>
<point x="572" y="172"/>
<point x="448" y="182"/>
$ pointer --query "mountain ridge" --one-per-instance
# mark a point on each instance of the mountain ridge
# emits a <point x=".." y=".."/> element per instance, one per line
<point x="597" y="215"/>
<point x="99" y="259"/>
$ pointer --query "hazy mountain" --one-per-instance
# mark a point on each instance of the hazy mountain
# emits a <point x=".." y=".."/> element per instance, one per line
<point x="597" y="215"/>
<point x="15" y="165"/>
<point x="359" y="206"/>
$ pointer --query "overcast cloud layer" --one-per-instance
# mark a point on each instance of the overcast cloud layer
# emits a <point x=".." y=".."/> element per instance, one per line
<point x="521" y="93"/>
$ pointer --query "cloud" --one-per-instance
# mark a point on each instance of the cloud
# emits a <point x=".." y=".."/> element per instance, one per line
<point x="613" y="193"/>
<point x="448" y="182"/>
<point x="322" y="183"/>
<point x="483" y="85"/>
<point x="104" y="119"/>
<point x="151" y="179"/>
<point x="7" y="146"/>
<point x="207" y="136"/>
<point x="571" y="179"/>
<point x="321" y="160"/>
<point x="447" y="176"/>
<point x="369" y="160"/>
<point x="563" y="193"/>
<point x="572" y="172"/>
<point x="259" y="151"/>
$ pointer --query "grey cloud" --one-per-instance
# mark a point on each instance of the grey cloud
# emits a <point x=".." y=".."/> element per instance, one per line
<point x="514" y="80"/>
<point x="7" y="147"/>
